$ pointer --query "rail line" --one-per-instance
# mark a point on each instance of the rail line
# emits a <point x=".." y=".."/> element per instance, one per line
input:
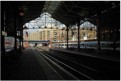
<point x="52" y="63"/>
<point x="71" y="66"/>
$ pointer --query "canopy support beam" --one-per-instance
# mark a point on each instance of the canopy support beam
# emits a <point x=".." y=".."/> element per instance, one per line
<point x="67" y="35"/>
<point x="78" y="24"/>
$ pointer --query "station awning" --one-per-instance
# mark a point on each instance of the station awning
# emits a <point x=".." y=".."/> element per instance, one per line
<point x="67" y="12"/>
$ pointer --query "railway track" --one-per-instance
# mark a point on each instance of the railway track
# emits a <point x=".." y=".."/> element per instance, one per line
<point x="65" y="75"/>
<point x="80" y="71"/>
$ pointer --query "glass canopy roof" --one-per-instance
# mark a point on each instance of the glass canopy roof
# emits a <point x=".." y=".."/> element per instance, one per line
<point x="46" y="21"/>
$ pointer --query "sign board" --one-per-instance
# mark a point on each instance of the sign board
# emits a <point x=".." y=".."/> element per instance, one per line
<point x="4" y="33"/>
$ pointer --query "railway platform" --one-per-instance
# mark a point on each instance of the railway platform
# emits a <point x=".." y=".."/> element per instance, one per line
<point x="27" y="67"/>
<point x="113" y="57"/>
<point x="95" y="55"/>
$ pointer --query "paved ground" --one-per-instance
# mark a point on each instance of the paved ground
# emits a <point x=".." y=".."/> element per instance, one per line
<point x="26" y="67"/>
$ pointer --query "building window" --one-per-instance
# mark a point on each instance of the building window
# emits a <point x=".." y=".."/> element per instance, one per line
<point x="55" y="33"/>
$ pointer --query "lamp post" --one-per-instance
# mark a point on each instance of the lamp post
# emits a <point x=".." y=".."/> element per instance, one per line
<point x="21" y="15"/>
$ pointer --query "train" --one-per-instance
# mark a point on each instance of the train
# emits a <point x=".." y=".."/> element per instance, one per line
<point x="88" y="45"/>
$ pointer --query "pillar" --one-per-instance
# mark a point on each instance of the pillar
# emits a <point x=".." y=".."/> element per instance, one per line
<point x="67" y="35"/>
<point x="98" y="34"/>
<point x="22" y="38"/>
<point x="15" y="30"/>
<point x="2" y="29"/>
<point x="114" y="40"/>
<point x="78" y="24"/>
<point x="21" y="31"/>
